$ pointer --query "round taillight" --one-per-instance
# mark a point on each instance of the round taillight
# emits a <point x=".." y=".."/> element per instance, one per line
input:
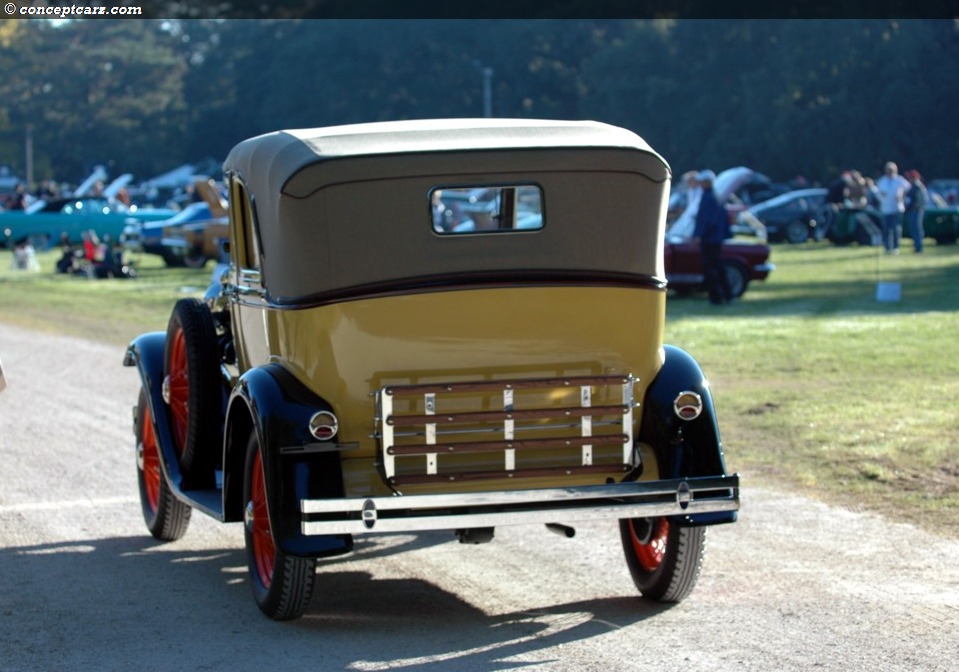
<point x="323" y="426"/>
<point x="688" y="405"/>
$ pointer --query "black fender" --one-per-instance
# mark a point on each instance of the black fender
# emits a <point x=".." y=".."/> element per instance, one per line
<point x="146" y="353"/>
<point x="683" y="448"/>
<point x="277" y="406"/>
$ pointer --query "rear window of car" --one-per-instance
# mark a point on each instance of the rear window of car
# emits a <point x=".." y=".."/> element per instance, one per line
<point x="486" y="209"/>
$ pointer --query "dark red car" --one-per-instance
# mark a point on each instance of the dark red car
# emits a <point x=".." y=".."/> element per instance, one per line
<point x="745" y="260"/>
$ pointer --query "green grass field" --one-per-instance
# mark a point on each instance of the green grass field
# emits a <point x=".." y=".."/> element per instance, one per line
<point x="820" y="388"/>
<point x="824" y="389"/>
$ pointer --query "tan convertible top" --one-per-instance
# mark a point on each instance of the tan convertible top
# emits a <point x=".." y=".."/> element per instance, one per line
<point x="267" y="162"/>
<point x="347" y="206"/>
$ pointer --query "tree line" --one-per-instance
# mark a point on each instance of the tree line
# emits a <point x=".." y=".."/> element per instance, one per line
<point x="785" y="97"/>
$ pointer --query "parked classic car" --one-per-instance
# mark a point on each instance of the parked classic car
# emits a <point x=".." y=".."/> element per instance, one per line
<point x="192" y="237"/>
<point x="945" y="191"/>
<point x="48" y="220"/>
<point x="864" y="225"/>
<point x="729" y="183"/>
<point x="789" y="217"/>
<point x="939" y="223"/>
<point x="147" y="237"/>
<point x="196" y="242"/>
<point x="361" y="369"/>
<point x="745" y="261"/>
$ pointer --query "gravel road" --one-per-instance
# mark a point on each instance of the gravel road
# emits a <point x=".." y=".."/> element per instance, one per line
<point x="794" y="585"/>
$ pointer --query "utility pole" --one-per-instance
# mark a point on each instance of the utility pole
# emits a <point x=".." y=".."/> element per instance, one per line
<point x="487" y="92"/>
<point x="29" y="152"/>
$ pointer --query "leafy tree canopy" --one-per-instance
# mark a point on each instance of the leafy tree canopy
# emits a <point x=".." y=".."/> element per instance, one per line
<point x="807" y="97"/>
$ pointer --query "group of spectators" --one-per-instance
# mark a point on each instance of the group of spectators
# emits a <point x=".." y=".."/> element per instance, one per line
<point x="95" y="258"/>
<point x="20" y="198"/>
<point x="894" y="195"/>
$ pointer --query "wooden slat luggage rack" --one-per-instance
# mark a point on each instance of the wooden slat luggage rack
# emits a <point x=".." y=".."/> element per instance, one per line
<point x="431" y="434"/>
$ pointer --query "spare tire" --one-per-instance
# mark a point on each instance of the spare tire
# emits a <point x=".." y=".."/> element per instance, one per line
<point x="191" y="389"/>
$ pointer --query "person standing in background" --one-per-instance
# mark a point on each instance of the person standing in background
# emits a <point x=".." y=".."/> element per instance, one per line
<point x="693" y="191"/>
<point x="891" y="189"/>
<point x="916" y="199"/>
<point x="712" y="228"/>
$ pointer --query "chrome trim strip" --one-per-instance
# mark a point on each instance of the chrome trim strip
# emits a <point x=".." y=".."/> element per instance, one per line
<point x="509" y="431"/>
<point x="384" y="409"/>
<point x="586" y="423"/>
<point x="630" y="454"/>
<point x="429" y="402"/>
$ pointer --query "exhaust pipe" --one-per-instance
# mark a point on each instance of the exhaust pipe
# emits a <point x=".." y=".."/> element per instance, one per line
<point x="561" y="530"/>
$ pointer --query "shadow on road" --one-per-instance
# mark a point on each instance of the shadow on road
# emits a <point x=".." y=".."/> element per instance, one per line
<point x="130" y="603"/>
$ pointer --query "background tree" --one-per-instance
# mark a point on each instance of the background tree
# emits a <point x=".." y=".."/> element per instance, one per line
<point x="106" y="93"/>
<point x="784" y="97"/>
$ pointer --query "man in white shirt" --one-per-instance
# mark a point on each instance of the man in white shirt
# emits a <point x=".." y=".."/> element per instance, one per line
<point x="892" y="188"/>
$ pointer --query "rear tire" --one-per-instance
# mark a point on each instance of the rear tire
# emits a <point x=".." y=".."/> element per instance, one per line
<point x="797" y="232"/>
<point x="282" y="585"/>
<point x="166" y="517"/>
<point x="172" y="260"/>
<point x="195" y="259"/>
<point x="664" y="559"/>
<point x="191" y="388"/>
<point x="738" y="278"/>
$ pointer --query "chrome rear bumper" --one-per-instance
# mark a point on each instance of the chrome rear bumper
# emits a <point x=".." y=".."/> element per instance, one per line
<point x="638" y="499"/>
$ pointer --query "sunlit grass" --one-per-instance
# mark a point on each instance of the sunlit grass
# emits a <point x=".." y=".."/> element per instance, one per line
<point x="823" y="388"/>
<point x="110" y="310"/>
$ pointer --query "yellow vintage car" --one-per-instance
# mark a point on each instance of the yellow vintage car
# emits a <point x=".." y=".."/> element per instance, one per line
<point x="434" y="325"/>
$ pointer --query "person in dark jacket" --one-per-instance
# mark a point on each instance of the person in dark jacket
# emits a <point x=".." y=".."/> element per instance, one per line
<point x="712" y="228"/>
<point x="916" y="199"/>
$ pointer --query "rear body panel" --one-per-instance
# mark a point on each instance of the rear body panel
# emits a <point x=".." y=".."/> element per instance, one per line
<point x="349" y="351"/>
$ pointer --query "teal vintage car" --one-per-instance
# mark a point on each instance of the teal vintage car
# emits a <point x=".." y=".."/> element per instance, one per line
<point x="940" y="224"/>
<point x="46" y="221"/>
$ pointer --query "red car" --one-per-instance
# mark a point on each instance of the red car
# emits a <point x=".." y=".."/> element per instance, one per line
<point x="745" y="261"/>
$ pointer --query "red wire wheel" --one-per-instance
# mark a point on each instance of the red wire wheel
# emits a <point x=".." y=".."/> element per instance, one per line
<point x="282" y="584"/>
<point x="178" y="386"/>
<point x="165" y="516"/>
<point x="151" y="473"/>
<point x="191" y="389"/>
<point x="264" y="550"/>
<point x="650" y="554"/>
